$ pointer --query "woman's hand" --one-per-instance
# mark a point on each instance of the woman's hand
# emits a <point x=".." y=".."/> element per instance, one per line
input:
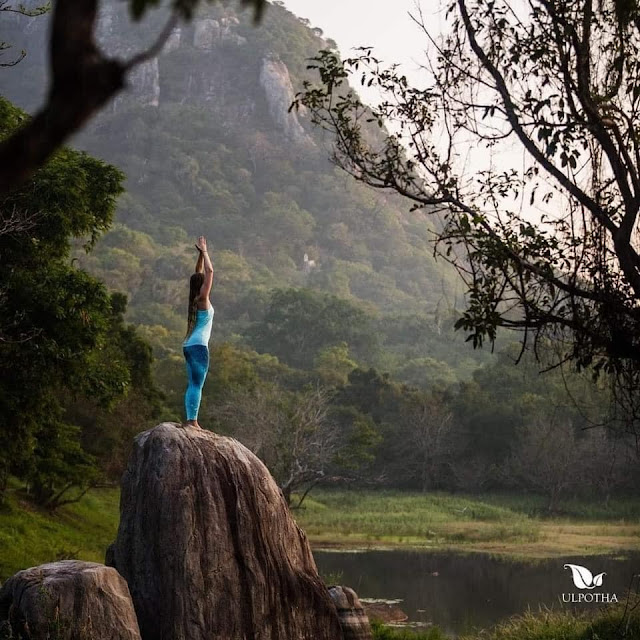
<point x="201" y="245"/>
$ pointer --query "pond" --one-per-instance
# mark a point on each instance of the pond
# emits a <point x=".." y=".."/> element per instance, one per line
<point x="460" y="592"/>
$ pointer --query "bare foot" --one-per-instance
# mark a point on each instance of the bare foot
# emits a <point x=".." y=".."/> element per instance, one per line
<point x="191" y="423"/>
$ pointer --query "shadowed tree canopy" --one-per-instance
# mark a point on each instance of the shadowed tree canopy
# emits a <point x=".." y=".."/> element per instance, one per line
<point x="82" y="81"/>
<point x="62" y="335"/>
<point x="299" y="323"/>
<point x="543" y="98"/>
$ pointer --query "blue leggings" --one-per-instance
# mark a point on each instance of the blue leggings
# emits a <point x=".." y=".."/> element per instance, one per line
<point x="197" y="357"/>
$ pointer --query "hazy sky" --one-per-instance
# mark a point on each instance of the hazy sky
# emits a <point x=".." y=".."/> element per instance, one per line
<point x="383" y="24"/>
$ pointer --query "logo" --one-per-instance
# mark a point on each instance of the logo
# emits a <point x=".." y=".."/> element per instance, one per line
<point x="582" y="577"/>
<point x="584" y="580"/>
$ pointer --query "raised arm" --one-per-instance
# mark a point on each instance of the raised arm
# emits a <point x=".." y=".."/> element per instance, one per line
<point x="200" y="261"/>
<point x="204" y="260"/>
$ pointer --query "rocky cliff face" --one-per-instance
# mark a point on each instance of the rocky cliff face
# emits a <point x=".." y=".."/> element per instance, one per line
<point x="209" y="33"/>
<point x="201" y="50"/>
<point x="206" y="62"/>
<point x="208" y="546"/>
<point x="275" y="80"/>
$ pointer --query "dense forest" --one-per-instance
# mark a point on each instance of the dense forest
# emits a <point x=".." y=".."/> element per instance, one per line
<point x="334" y="355"/>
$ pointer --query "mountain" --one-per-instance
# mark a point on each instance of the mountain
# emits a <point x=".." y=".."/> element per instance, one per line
<point x="206" y="138"/>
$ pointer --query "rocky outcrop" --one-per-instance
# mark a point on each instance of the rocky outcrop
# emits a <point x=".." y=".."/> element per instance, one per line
<point x="173" y="41"/>
<point x="208" y="547"/>
<point x="209" y="33"/>
<point x="69" y="599"/>
<point x="353" y="620"/>
<point x="144" y="83"/>
<point x="276" y="82"/>
<point x="207" y="62"/>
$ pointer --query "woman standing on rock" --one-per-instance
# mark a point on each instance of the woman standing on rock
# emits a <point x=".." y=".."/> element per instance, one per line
<point x="196" y="343"/>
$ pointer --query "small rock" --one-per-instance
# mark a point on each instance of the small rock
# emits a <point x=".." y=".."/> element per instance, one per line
<point x="353" y="619"/>
<point x="69" y="599"/>
<point x="383" y="611"/>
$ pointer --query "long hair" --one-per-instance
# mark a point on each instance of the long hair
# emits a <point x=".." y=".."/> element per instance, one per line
<point x="195" y="284"/>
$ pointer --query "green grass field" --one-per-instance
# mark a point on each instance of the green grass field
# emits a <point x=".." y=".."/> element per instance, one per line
<point x="30" y="536"/>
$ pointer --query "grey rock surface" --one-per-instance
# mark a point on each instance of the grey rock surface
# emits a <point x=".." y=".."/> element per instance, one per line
<point x="276" y="82"/>
<point x="69" y="599"/>
<point x="209" y="548"/>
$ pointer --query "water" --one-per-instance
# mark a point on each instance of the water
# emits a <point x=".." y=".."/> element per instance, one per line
<point x="460" y="592"/>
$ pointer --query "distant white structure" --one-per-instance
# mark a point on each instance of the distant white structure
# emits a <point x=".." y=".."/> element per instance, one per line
<point x="308" y="265"/>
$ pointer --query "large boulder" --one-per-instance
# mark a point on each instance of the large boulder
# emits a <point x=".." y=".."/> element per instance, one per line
<point x="69" y="599"/>
<point x="208" y="546"/>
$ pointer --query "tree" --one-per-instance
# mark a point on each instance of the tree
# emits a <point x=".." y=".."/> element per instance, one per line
<point x="299" y="323"/>
<point x="428" y="444"/>
<point x="292" y="433"/>
<point x="560" y="81"/>
<point x="6" y="6"/>
<point x="333" y="365"/>
<point x="83" y="79"/>
<point x="550" y="459"/>
<point x="107" y="431"/>
<point x="61" y="333"/>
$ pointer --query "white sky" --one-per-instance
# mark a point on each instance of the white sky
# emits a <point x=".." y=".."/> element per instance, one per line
<point x="383" y="24"/>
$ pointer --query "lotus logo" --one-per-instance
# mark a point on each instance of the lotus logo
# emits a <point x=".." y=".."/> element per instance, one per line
<point x="582" y="577"/>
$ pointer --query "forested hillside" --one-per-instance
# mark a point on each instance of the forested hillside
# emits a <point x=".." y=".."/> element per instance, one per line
<point x="327" y="295"/>
<point x="208" y="146"/>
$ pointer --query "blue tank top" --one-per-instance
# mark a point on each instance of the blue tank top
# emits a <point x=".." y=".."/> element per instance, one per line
<point x="202" y="330"/>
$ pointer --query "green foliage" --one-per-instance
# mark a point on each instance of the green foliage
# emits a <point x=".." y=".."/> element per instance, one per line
<point x="231" y="369"/>
<point x="333" y="365"/>
<point x="107" y="430"/>
<point x="57" y="464"/>
<point x="62" y="334"/>
<point x="300" y="323"/>
<point x="372" y="320"/>
<point x="361" y="436"/>
<point x="502" y="397"/>
<point x="372" y="393"/>
<point x="426" y="373"/>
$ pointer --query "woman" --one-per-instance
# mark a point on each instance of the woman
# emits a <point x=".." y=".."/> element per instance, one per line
<point x="196" y="343"/>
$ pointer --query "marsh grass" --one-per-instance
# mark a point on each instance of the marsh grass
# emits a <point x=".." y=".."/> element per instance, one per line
<point x="483" y="523"/>
<point x="428" y="518"/>
<point x="383" y="632"/>
<point x="625" y="509"/>
<point x="619" y="622"/>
